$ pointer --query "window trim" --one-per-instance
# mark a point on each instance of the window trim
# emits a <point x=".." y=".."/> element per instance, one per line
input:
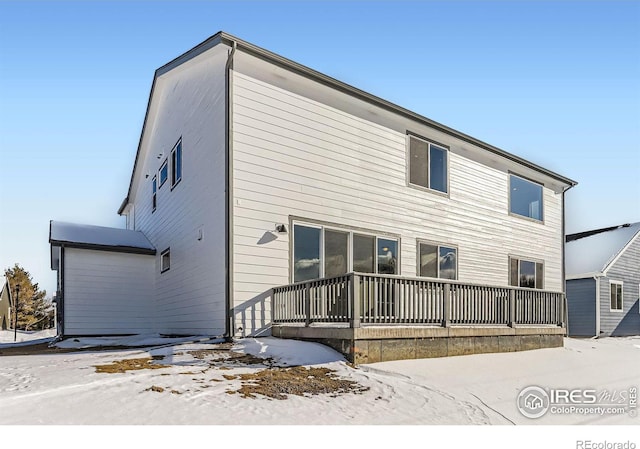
<point x="437" y="245"/>
<point x="524" y="217"/>
<point x="430" y="142"/>
<point x="163" y="165"/>
<point x="350" y="230"/>
<point x="526" y="259"/>
<point x="173" y="165"/>
<point x="154" y="194"/>
<point x="162" y="254"/>
<point x="621" y="284"/>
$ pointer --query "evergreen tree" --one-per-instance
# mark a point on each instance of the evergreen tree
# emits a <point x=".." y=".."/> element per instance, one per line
<point x="34" y="310"/>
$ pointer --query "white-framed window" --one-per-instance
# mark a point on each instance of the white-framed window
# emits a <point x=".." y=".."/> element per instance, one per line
<point x="165" y="260"/>
<point x="526" y="273"/>
<point x="164" y="172"/>
<point x="525" y="198"/>
<point x="154" y="193"/>
<point x="437" y="261"/>
<point x="428" y="165"/>
<point x="176" y="163"/>
<point x="321" y="251"/>
<point x="616" y="293"/>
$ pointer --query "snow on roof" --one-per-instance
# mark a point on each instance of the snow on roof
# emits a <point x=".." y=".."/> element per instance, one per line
<point x="97" y="236"/>
<point x="593" y="253"/>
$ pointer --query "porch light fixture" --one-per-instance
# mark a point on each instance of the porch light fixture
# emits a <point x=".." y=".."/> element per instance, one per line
<point x="281" y="229"/>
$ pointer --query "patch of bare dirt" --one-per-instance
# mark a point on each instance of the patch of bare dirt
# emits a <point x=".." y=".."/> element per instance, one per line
<point x="222" y="356"/>
<point x="278" y="383"/>
<point x="121" y="366"/>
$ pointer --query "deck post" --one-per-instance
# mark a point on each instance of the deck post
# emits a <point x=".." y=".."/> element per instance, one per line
<point x="354" y="298"/>
<point x="307" y="305"/>
<point x="563" y="310"/>
<point x="512" y="307"/>
<point x="446" y="305"/>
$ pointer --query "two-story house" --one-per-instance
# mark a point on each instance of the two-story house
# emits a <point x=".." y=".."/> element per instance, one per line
<point x="254" y="172"/>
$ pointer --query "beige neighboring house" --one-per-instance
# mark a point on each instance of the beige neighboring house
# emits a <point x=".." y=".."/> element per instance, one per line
<point x="5" y="304"/>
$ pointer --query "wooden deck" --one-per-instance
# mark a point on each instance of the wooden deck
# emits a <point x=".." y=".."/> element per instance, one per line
<point x="362" y="314"/>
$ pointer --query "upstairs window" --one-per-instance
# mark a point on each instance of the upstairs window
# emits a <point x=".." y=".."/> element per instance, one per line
<point x="616" y="296"/>
<point x="176" y="164"/>
<point x="164" y="172"/>
<point x="526" y="273"/>
<point x="428" y="165"/>
<point x="154" y="191"/>
<point x="437" y="261"/>
<point x="525" y="198"/>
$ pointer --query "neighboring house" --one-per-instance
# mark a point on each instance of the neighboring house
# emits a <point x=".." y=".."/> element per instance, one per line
<point x="603" y="281"/>
<point x="5" y="304"/>
<point x="254" y="172"/>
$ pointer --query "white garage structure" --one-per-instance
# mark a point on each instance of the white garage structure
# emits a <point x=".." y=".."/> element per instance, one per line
<point x="106" y="280"/>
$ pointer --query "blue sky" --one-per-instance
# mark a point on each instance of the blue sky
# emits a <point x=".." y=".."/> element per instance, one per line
<point x="557" y="83"/>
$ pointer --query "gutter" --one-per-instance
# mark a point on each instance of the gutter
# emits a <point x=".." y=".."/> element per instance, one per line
<point x="228" y="200"/>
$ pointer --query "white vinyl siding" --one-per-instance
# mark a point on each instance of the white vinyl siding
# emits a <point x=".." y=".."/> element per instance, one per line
<point x="108" y="293"/>
<point x="293" y="156"/>
<point x="188" y="105"/>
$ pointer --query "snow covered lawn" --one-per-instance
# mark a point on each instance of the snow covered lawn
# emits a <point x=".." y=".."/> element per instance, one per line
<point x="200" y="383"/>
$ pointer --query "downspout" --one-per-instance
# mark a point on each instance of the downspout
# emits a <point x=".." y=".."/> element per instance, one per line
<point x="564" y="275"/>
<point x="228" y="175"/>
<point x="597" y="279"/>
<point x="61" y="301"/>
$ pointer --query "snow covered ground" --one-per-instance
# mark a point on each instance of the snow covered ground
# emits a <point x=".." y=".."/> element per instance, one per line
<point x="194" y="385"/>
<point x="25" y="338"/>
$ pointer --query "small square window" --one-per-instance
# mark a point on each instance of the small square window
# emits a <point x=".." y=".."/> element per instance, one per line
<point x="526" y="273"/>
<point x="165" y="260"/>
<point x="176" y="163"/>
<point x="437" y="261"/>
<point x="164" y="172"/>
<point x="525" y="198"/>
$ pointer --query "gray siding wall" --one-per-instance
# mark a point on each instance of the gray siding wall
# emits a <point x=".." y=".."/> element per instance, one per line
<point x="188" y="102"/>
<point x="581" y="302"/>
<point x="294" y="156"/>
<point x="627" y="270"/>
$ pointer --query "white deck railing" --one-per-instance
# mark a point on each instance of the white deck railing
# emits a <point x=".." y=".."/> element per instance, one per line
<point x="369" y="299"/>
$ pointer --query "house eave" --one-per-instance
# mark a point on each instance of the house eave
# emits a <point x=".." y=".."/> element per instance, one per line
<point x="124" y="204"/>
<point x="97" y="247"/>
<point x="224" y="38"/>
<point x="594" y="274"/>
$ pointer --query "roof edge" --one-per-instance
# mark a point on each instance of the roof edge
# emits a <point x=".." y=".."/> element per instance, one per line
<point x="584" y="234"/>
<point x="617" y="256"/>
<point x="108" y="248"/>
<point x="366" y="96"/>
<point x="222" y="37"/>
<point x="595" y="274"/>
